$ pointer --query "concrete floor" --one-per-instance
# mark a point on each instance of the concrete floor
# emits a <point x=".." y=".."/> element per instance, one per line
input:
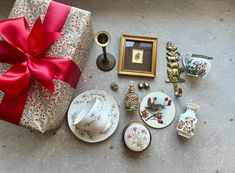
<point x="205" y="27"/>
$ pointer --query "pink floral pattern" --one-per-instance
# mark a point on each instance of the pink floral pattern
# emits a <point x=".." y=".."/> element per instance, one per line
<point x="137" y="137"/>
<point x="44" y="111"/>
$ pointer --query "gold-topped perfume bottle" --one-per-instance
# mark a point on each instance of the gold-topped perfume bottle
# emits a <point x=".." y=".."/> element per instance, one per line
<point x="132" y="99"/>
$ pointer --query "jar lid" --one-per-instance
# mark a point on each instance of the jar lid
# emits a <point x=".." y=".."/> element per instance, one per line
<point x="137" y="136"/>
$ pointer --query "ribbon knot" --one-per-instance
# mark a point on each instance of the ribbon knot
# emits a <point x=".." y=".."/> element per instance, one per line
<point x="25" y="49"/>
<point x="27" y="55"/>
<point x="30" y="47"/>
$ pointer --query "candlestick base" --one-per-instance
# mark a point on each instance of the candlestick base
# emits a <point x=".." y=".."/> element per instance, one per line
<point x="105" y="66"/>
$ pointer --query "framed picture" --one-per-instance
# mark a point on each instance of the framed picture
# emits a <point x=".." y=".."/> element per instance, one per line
<point x="138" y="56"/>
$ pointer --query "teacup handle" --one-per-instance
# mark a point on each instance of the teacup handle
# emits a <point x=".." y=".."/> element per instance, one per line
<point x="186" y="57"/>
<point x="202" y="56"/>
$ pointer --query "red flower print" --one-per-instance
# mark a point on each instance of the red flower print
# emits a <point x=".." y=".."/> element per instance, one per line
<point x="144" y="113"/>
<point x="154" y="98"/>
<point x="129" y="136"/>
<point x="169" y="102"/>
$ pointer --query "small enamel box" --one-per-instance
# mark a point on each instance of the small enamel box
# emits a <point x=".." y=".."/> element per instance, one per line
<point x="137" y="137"/>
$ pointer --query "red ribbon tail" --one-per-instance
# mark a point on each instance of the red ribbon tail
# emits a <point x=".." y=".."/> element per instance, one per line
<point x="68" y="72"/>
<point x="56" y="16"/>
<point x="11" y="109"/>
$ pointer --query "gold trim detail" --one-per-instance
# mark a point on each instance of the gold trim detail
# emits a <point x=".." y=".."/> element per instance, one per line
<point x="122" y="71"/>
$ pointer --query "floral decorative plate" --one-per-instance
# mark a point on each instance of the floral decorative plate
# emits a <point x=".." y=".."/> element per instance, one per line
<point x="157" y="110"/>
<point x="112" y="111"/>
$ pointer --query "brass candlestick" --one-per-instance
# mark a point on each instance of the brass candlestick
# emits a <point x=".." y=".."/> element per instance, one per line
<point x="174" y="71"/>
<point x="105" y="61"/>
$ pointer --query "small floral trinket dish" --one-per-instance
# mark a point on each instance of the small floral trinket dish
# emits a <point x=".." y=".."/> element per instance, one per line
<point x="157" y="110"/>
<point x="136" y="136"/>
<point x="187" y="121"/>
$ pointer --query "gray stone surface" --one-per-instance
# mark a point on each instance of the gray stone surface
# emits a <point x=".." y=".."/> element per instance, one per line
<point x="205" y="27"/>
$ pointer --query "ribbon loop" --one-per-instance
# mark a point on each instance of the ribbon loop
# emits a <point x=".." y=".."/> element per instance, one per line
<point x="15" y="80"/>
<point x="15" y="32"/>
<point x="40" y="40"/>
<point x="10" y="55"/>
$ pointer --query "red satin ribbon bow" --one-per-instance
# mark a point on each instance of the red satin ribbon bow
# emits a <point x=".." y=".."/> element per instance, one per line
<point x="25" y="50"/>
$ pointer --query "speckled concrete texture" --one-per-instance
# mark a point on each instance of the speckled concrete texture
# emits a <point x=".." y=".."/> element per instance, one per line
<point x="205" y="27"/>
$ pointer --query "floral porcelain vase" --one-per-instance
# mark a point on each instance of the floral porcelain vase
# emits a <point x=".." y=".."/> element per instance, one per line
<point x="187" y="121"/>
<point x="197" y="65"/>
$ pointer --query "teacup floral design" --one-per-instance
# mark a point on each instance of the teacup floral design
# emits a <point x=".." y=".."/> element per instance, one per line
<point x="110" y="108"/>
<point x="92" y="116"/>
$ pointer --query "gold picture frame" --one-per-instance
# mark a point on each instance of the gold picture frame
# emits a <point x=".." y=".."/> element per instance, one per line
<point x="138" y="56"/>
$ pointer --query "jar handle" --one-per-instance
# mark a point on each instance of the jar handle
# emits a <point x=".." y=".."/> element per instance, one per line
<point x="186" y="57"/>
<point x="202" y="56"/>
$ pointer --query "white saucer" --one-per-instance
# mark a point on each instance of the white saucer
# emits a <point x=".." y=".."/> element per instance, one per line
<point x="112" y="111"/>
<point x="154" y="113"/>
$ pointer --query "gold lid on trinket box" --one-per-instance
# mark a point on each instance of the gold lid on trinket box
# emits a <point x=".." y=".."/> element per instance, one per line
<point x="136" y="137"/>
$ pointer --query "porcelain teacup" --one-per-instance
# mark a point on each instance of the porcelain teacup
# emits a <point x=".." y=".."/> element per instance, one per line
<point x="92" y="117"/>
<point x="197" y="65"/>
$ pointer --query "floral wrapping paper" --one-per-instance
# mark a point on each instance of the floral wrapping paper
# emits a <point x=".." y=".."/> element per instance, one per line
<point x="45" y="111"/>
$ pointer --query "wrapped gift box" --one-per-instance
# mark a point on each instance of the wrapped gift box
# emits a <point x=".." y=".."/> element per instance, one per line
<point x="43" y="110"/>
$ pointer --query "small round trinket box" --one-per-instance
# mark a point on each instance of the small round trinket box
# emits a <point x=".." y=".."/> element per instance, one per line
<point x="136" y="136"/>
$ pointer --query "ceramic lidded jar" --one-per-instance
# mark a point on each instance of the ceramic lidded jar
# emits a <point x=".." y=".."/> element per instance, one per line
<point x="197" y="65"/>
<point x="132" y="99"/>
<point x="187" y="121"/>
<point x="136" y="136"/>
